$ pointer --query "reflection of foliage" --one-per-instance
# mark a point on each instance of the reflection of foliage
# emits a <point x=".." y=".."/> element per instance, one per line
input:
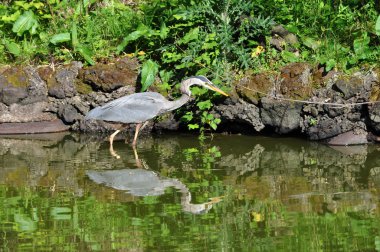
<point x="42" y="221"/>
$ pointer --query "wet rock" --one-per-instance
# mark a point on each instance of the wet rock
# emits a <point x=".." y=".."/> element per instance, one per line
<point x="353" y="137"/>
<point x="61" y="84"/>
<point x="325" y="127"/>
<point x="283" y="116"/>
<point x="32" y="127"/>
<point x="239" y="112"/>
<point x="109" y="77"/>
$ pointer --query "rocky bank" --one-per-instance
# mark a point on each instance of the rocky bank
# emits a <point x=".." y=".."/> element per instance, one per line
<point x="300" y="99"/>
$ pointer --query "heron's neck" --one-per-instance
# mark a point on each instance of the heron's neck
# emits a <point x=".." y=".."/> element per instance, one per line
<point x="179" y="102"/>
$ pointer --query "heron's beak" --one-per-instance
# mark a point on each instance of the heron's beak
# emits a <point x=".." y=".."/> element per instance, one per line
<point x="217" y="90"/>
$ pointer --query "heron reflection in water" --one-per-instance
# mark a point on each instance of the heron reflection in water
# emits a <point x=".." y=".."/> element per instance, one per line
<point x="143" y="182"/>
<point x="139" y="108"/>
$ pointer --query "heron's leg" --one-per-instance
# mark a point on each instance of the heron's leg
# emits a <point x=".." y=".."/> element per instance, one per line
<point x="113" y="153"/>
<point x="138" y="127"/>
<point x="145" y="124"/>
<point x="113" y="136"/>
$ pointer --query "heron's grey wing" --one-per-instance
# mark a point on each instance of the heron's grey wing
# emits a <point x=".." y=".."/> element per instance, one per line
<point x="135" y="108"/>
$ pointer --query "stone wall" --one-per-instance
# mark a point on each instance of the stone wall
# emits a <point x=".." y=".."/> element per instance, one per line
<point x="299" y="100"/>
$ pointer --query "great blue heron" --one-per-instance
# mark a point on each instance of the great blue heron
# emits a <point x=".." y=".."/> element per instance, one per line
<point x="139" y="108"/>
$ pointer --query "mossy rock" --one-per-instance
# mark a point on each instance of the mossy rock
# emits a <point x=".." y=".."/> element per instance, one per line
<point x="296" y="81"/>
<point x="111" y="76"/>
<point x="83" y="88"/>
<point x="14" y="83"/>
<point x="253" y="87"/>
<point x="375" y="91"/>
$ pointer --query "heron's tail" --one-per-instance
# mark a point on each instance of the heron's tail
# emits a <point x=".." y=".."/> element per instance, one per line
<point x="92" y="114"/>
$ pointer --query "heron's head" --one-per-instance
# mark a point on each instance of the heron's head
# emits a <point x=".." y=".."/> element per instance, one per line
<point x="200" y="81"/>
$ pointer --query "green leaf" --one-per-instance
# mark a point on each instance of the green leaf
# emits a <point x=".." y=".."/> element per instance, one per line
<point x="165" y="76"/>
<point x="60" y="38"/>
<point x="311" y="43"/>
<point x="164" y="31"/>
<point x="330" y="64"/>
<point x="11" y="18"/>
<point x="85" y="53"/>
<point x="188" y="116"/>
<point x="377" y="26"/>
<point x="12" y="48"/>
<point x="25" y="22"/>
<point x="193" y="126"/>
<point x="361" y="47"/>
<point x="204" y="105"/>
<point x="148" y="73"/>
<point x="74" y="35"/>
<point x="289" y="56"/>
<point x="213" y="125"/>
<point x="191" y="35"/>
<point x="142" y="30"/>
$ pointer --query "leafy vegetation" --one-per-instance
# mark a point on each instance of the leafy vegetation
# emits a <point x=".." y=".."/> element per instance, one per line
<point x="178" y="38"/>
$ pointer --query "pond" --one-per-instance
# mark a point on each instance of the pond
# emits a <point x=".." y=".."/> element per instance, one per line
<point x="66" y="192"/>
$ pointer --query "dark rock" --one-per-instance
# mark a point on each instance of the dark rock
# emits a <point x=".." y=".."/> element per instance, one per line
<point x="348" y="86"/>
<point x="33" y="127"/>
<point x="37" y="88"/>
<point x="374" y="107"/>
<point x="337" y="112"/>
<point x="109" y="77"/>
<point x="283" y="116"/>
<point x="68" y="113"/>
<point x="106" y="128"/>
<point x="167" y="122"/>
<point x="374" y="116"/>
<point x="62" y="83"/>
<point x="239" y="112"/>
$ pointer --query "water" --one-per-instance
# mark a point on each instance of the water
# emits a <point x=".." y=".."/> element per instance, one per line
<point x="66" y="192"/>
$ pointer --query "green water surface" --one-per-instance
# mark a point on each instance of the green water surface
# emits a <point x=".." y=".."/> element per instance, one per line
<point x="229" y="193"/>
